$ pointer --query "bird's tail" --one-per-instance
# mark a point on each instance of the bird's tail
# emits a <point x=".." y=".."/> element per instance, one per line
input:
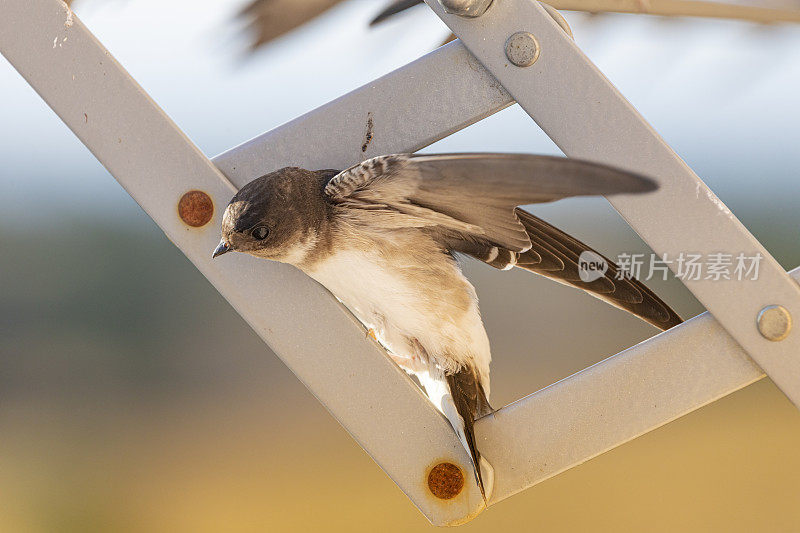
<point x="470" y="402"/>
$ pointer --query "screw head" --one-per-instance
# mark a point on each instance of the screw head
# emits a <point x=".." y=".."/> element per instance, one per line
<point x="195" y="208"/>
<point x="774" y="322"/>
<point x="445" y="481"/>
<point x="466" y="8"/>
<point x="522" y="49"/>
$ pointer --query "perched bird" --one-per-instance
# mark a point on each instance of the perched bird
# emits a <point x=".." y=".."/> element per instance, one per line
<point x="383" y="236"/>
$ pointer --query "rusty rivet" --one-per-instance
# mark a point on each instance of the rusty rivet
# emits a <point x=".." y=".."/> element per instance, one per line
<point x="446" y="481"/>
<point x="196" y="208"/>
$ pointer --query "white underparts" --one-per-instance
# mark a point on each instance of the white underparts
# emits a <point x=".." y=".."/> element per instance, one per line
<point x="423" y="311"/>
<point x="297" y="252"/>
<point x="403" y="306"/>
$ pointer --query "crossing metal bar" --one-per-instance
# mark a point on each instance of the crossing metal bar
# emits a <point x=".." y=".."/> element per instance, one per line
<point x="588" y="118"/>
<point x="683" y="8"/>
<point x="408" y="109"/>
<point x="613" y="402"/>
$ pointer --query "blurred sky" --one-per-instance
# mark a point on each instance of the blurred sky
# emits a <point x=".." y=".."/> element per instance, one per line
<point x="133" y="398"/>
<point x="724" y="94"/>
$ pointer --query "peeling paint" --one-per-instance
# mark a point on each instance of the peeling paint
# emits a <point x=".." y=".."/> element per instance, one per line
<point x="70" y="20"/>
<point x="717" y="202"/>
<point x="369" y="134"/>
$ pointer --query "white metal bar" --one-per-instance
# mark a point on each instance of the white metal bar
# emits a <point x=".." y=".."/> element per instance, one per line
<point x="405" y="110"/>
<point x="588" y="118"/>
<point x="683" y="8"/>
<point x="314" y="335"/>
<point x="613" y="402"/>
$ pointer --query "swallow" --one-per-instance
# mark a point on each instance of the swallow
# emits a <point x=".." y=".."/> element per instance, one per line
<point x="386" y="238"/>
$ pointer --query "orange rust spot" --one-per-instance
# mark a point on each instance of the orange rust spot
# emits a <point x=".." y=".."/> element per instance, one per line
<point x="196" y="208"/>
<point x="446" y="481"/>
<point x="371" y="334"/>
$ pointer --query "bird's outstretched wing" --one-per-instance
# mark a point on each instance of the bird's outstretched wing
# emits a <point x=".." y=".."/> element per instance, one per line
<point x="469" y="202"/>
<point x="555" y="255"/>
<point x="473" y="196"/>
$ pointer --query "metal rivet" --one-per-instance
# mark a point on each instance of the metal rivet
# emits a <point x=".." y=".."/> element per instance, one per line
<point x="466" y="8"/>
<point x="774" y="322"/>
<point x="445" y="481"/>
<point x="196" y="208"/>
<point x="522" y="49"/>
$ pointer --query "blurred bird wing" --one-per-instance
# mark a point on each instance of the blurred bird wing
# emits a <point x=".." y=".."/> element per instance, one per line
<point x="392" y="9"/>
<point x="269" y="19"/>
<point x="472" y="197"/>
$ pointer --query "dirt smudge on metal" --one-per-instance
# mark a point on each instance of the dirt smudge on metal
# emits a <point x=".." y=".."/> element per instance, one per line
<point x="369" y="134"/>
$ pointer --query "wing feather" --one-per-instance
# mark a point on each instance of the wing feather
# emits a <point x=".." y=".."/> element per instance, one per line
<point x="559" y="253"/>
<point x="475" y="194"/>
<point x="470" y="203"/>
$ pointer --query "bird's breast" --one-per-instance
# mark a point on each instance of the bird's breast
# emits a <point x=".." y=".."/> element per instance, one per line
<point x="405" y="298"/>
<point x="368" y="286"/>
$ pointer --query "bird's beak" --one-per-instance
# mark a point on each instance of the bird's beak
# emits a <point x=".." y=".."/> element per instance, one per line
<point x="222" y="248"/>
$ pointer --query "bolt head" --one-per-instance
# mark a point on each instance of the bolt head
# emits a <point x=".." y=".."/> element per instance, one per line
<point x="466" y="8"/>
<point x="522" y="49"/>
<point x="774" y="322"/>
<point x="195" y="208"/>
<point x="446" y="481"/>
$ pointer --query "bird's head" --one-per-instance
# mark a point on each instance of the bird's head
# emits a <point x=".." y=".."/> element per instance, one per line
<point x="276" y="216"/>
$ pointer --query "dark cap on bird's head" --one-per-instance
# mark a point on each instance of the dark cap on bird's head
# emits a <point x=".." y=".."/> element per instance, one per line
<point x="274" y="214"/>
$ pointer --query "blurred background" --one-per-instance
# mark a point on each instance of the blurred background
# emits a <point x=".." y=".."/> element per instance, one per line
<point x="133" y="398"/>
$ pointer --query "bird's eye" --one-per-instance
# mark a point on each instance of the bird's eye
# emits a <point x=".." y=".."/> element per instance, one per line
<point x="260" y="233"/>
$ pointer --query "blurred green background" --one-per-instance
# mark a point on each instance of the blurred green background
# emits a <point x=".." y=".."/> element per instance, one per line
<point x="133" y="398"/>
